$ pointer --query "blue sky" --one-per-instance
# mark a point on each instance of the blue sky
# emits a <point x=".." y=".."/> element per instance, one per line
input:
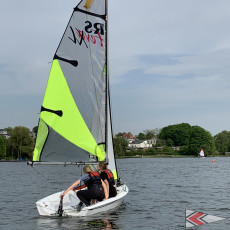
<point x="169" y="61"/>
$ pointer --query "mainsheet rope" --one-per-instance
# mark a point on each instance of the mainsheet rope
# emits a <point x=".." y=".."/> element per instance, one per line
<point x="47" y="179"/>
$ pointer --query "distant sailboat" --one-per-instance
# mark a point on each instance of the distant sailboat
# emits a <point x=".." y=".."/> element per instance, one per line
<point x="201" y="154"/>
<point x="75" y="121"/>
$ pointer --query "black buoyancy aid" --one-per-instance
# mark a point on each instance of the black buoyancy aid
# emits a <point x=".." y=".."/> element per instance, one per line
<point x="110" y="176"/>
<point x="94" y="179"/>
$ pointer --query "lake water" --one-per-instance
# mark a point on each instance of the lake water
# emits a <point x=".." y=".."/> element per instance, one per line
<point x="160" y="191"/>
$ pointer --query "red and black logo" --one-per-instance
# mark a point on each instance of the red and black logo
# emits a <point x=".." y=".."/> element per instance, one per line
<point x="92" y="33"/>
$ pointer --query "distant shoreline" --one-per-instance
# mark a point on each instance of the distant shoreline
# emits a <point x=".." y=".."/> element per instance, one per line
<point x="144" y="156"/>
<point x="167" y="156"/>
<point x="3" y="160"/>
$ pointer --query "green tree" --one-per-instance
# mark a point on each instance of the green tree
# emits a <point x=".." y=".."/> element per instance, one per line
<point x="35" y="129"/>
<point x="169" y="142"/>
<point x="167" y="149"/>
<point x="149" y="134"/>
<point x="8" y="129"/>
<point x="10" y="150"/>
<point x="184" y="150"/>
<point x="179" y="134"/>
<point x="119" y="134"/>
<point x="141" y="136"/>
<point x="120" y="145"/>
<point x="160" y="143"/>
<point x="201" y="139"/>
<point x="150" y="151"/>
<point x="191" y="138"/>
<point x="2" y="147"/>
<point x="222" y="141"/>
<point x="22" y="142"/>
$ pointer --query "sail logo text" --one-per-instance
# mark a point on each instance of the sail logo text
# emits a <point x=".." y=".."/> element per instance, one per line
<point x="93" y="33"/>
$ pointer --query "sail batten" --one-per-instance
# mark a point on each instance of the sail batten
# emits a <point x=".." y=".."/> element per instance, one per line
<point x="89" y="13"/>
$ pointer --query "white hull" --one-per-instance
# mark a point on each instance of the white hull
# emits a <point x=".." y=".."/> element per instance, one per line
<point x="48" y="206"/>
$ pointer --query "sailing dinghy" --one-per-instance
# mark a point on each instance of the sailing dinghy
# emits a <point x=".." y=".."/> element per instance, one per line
<point x="201" y="154"/>
<point x="75" y="120"/>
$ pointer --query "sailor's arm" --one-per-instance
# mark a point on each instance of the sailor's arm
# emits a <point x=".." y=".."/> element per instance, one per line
<point x="107" y="185"/>
<point x="105" y="190"/>
<point x="70" y="188"/>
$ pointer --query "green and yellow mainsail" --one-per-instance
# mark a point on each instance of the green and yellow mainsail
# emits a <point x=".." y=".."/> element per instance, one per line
<point x="75" y="119"/>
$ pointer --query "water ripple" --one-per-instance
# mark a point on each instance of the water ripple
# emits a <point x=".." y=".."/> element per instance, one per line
<point x="160" y="191"/>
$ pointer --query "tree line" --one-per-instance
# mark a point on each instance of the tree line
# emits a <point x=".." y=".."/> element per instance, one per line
<point x="190" y="139"/>
<point x="20" y="144"/>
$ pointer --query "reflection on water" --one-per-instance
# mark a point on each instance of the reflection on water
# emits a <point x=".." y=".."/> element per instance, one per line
<point x="105" y="221"/>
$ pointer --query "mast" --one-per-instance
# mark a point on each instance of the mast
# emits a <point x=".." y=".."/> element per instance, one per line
<point x="107" y="81"/>
<point x="109" y="146"/>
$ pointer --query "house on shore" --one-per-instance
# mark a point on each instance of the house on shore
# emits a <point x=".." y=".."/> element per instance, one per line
<point x="4" y="133"/>
<point x="129" y="137"/>
<point x="142" y="144"/>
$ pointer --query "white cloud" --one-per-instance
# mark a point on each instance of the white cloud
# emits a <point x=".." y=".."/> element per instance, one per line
<point x="168" y="26"/>
<point x="165" y="56"/>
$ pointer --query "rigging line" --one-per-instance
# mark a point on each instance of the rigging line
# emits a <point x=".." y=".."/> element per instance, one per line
<point x="47" y="179"/>
<point x="94" y="168"/>
<point x="113" y="117"/>
<point x="113" y="104"/>
<point x="81" y="170"/>
<point x="71" y="173"/>
<point x="41" y="174"/>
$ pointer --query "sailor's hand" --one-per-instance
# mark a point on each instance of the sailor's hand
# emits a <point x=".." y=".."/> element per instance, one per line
<point x="62" y="195"/>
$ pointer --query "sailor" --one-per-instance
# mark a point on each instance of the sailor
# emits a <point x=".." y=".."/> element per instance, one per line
<point x="107" y="176"/>
<point x="96" y="188"/>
